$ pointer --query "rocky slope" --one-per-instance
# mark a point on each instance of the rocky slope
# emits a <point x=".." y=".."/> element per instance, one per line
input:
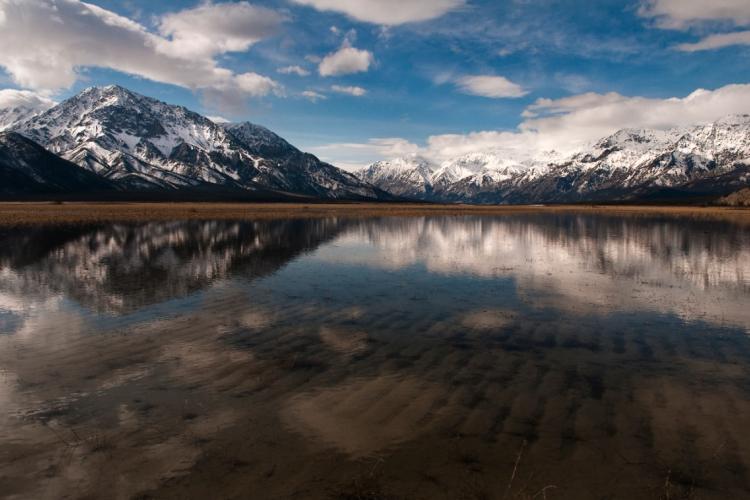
<point x="28" y="168"/>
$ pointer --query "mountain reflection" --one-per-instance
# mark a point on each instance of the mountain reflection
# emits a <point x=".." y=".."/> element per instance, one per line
<point x="589" y="263"/>
<point x="121" y="267"/>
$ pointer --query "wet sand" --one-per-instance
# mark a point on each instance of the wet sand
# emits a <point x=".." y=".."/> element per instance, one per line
<point x="205" y="405"/>
<point x="72" y="212"/>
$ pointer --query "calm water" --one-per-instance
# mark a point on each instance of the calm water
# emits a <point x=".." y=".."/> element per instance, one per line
<point x="525" y="356"/>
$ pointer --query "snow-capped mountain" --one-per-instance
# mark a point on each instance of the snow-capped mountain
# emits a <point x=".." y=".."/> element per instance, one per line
<point x="409" y="177"/>
<point x="142" y="143"/>
<point x="631" y="163"/>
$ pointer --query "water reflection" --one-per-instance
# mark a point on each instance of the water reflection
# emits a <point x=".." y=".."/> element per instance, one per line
<point x="696" y="269"/>
<point x="395" y="358"/>
<point x="121" y="267"/>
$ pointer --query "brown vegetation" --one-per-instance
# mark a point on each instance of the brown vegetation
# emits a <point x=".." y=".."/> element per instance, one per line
<point x="740" y="198"/>
<point x="73" y="212"/>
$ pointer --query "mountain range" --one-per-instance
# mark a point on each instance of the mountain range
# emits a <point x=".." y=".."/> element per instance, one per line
<point x="138" y="144"/>
<point x="702" y="161"/>
<point x="111" y="142"/>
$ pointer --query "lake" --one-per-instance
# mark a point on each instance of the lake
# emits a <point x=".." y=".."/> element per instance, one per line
<point x="530" y="355"/>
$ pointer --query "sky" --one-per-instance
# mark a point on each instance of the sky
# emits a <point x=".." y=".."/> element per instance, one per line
<point x="355" y="81"/>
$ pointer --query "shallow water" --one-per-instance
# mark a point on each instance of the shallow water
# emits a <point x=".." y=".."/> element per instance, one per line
<point x="522" y="356"/>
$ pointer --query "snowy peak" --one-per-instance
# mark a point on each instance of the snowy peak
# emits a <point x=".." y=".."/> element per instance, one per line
<point x="641" y="139"/>
<point x="402" y="166"/>
<point x="258" y="139"/>
<point x="482" y="169"/>
<point x="408" y="176"/>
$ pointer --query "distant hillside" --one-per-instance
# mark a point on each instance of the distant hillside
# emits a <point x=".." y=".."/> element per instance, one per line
<point x="740" y="198"/>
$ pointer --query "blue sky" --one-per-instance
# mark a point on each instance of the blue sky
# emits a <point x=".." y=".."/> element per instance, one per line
<point x="412" y="76"/>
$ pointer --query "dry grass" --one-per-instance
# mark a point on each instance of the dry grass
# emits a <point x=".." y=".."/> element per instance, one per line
<point x="78" y="212"/>
<point x="739" y="198"/>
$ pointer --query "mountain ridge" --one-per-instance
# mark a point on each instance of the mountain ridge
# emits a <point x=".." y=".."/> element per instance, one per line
<point x="139" y="144"/>
<point x="630" y="164"/>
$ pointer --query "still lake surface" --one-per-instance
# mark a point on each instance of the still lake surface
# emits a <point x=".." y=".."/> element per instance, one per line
<point x="521" y="356"/>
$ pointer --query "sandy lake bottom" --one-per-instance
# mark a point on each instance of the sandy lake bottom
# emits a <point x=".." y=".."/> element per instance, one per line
<point x="550" y="355"/>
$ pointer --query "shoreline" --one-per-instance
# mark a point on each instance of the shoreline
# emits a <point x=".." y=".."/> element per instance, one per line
<point x="22" y="213"/>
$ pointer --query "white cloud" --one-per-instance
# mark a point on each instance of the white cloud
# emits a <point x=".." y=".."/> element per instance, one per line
<point x="515" y="145"/>
<point x="590" y="116"/>
<point x="218" y="28"/>
<point x="687" y="14"/>
<point x="256" y="85"/>
<point x="563" y="125"/>
<point x="46" y="42"/>
<point x="11" y="98"/>
<point x="351" y="90"/>
<point x="495" y="87"/>
<point x="717" y="41"/>
<point x="354" y="156"/>
<point x="682" y="14"/>
<point x="571" y="103"/>
<point x="313" y="95"/>
<point x="19" y="105"/>
<point x="345" y="61"/>
<point x="567" y="124"/>
<point x="296" y="70"/>
<point x="387" y="12"/>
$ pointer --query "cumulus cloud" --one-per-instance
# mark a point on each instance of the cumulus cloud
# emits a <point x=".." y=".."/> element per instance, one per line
<point x="495" y="87"/>
<point x="565" y="125"/>
<point x="313" y="96"/>
<point x="387" y="12"/>
<point x="345" y="61"/>
<point x="682" y="14"/>
<point x="351" y="90"/>
<point x="296" y="70"/>
<point x="25" y="99"/>
<point x="354" y="156"/>
<point x="19" y="105"/>
<point x="68" y="34"/>
<point x="218" y="28"/>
